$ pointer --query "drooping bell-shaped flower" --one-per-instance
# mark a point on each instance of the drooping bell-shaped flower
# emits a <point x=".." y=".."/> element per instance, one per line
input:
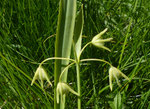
<point x="41" y="75"/>
<point x="99" y="42"/>
<point x="115" y="73"/>
<point x="63" y="88"/>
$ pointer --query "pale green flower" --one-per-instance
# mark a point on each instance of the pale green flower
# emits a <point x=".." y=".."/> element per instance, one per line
<point x="63" y="88"/>
<point x="99" y="42"/>
<point x="41" y="75"/>
<point x="115" y="73"/>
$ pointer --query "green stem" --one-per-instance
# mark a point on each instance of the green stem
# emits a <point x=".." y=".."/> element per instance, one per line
<point x="78" y="85"/>
<point x="78" y="75"/>
<point x="83" y="49"/>
<point x="56" y="58"/>
<point x="66" y="68"/>
<point x="100" y="60"/>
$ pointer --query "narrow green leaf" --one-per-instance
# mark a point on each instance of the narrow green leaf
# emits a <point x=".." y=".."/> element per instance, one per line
<point x="58" y="45"/>
<point x="78" y="31"/>
<point x="64" y="36"/>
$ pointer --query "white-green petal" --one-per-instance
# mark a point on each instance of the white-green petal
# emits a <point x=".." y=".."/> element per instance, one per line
<point x="99" y="35"/>
<point x="110" y="80"/>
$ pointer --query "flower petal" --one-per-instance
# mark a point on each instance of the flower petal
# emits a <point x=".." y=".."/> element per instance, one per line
<point x="110" y="80"/>
<point x="99" y="35"/>
<point x="36" y="75"/>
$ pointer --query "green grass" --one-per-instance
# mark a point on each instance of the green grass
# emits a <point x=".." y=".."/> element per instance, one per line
<point x="26" y="24"/>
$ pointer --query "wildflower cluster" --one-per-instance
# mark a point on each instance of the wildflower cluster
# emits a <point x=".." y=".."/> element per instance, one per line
<point x="62" y="87"/>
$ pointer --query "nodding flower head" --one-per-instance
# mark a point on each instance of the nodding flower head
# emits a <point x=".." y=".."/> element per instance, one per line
<point x="115" y="73"/>
<point x="99" y="42"/>
<point x="41" y="75"/>
<point x="63" y="88"/>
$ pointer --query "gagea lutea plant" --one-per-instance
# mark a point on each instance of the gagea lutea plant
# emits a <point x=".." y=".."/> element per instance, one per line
<point x="69" y="35"/>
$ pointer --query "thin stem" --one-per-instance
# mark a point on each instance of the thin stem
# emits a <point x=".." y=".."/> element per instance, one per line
<point x="83" y="49"/>
<point x="78" y="73"/>
<point x="66" y="68"/>
<point x="78" y="85"/>
<point x="100" y="60"/>
<point x="48" y="38"/>
<point x="58" y="58"/>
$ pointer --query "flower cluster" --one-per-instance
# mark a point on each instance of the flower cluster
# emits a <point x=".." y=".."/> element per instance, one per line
<point x="62" y="88"/>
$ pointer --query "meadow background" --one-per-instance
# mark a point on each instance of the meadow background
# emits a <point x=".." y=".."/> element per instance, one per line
<point x="25" y="27"/>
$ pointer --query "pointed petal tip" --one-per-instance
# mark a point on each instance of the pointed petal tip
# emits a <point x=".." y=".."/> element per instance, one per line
<point x="110" y="88"/>
<point x="105" y="29"/>
<point x="50" y="84"/>
<point x="109" y="50"/>
<point x="32" y="82"/>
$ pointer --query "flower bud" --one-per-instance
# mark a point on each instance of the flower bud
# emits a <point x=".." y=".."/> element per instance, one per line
<point x="41" y="75"/>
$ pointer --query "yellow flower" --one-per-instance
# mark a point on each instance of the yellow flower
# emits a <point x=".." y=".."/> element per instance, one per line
<point x="63" y="88"/>
<point x="115" y="73"/>
<point x="99" y="42"/>
<point x="40" y="74"/>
